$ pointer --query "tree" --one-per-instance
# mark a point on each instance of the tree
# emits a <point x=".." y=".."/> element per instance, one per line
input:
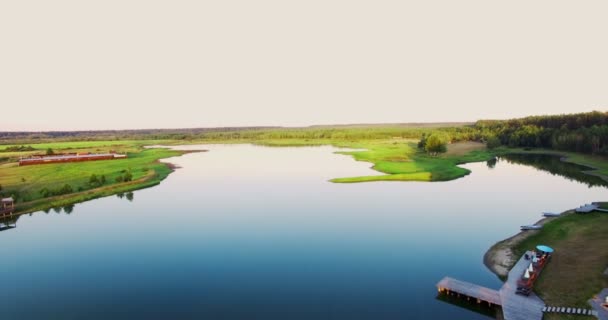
<point x="493" y="142"/>
<point x="422" y="142"/>
<point x="102" y="180"/>
<point x="93" y="180"/>
<point x="50" y="152"/>
<point x="65" y="189"/>
<point x="45" y="192"/>
<point x="435" y="144"/>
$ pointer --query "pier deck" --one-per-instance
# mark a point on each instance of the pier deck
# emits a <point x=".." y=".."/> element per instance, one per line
<point x="589" y="208"/>
<point x="514" y="306"/>
<point x="470" y="290"/>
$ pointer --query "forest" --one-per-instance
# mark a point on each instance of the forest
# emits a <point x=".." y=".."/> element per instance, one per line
<point x="582" y="132"/>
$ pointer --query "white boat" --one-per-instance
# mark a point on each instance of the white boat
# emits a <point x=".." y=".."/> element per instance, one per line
<point x="531" y="227"/>
<point x="551" y="214"/>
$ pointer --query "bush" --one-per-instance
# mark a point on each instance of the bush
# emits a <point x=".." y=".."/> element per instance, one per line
<point x="422" y="142"/>
<point x="45" y="192"/>
<point x="94" y="181"/>
<point x="65" y="189"/>
<point x="435" y="144"/>
<point x="493" y="142"/>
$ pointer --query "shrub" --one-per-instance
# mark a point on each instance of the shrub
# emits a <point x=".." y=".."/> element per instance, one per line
<point x="435" y="144"/>
<point x="93" y="180"/>
<point x="493" y="142"/>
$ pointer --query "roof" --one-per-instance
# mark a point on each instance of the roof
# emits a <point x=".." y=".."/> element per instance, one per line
<point x="7" y="200"/>
<point x="544" y="248"/>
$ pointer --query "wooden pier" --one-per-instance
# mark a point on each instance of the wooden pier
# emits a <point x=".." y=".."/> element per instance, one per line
<point x="469" y="291"/>
<point x="514" y="306"/>
<point x="589" y="208"/>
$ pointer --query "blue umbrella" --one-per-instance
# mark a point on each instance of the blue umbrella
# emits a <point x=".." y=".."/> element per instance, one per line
<point x="544" y="248"/>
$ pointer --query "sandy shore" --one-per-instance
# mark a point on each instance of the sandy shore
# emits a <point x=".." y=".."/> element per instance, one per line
<point x="500" y="259"/>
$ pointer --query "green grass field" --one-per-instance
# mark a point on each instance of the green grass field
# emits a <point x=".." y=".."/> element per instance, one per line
<point x="574" y="273"/>
<point x="403" y="161"/>
<point x="26" y="183"/>
<point x="398" y="158"/>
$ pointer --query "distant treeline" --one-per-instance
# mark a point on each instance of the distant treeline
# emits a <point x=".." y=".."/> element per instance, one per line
<point x="28" y="137"/>
<point x="458" y="131"/>
<point x="582" y="132"/>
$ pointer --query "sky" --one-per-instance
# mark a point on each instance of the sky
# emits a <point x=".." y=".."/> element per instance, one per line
<point x="128" y="64"/>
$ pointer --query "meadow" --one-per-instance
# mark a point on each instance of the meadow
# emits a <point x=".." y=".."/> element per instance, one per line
<point x="32" y="186"/>
<point x="575" y="272"/>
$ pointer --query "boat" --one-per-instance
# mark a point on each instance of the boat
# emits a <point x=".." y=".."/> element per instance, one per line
<point x="551" y="214"/>
<point x="531" y="227"/>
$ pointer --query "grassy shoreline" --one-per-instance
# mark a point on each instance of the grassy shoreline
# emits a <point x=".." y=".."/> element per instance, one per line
<point x="398" y="158"/>
<point x="574" y="274"/>
<point x="142" y="164"/>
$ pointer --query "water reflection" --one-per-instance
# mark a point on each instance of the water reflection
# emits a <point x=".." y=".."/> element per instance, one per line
<point x="128" y="195"/>
<point x="7" y="223"/>
<point x="469" y="304"/>
<point x="554" y="165"/>
<point x="492" y="163"/>
<point x="252" y="232"/>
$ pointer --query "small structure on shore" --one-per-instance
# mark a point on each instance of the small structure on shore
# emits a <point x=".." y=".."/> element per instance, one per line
<point x="70" y="157"/>
<point x="589" y="207"/>
<point x="586" y="208"/>
<point x="8" y="204"/>
<point x="539" y="258"/>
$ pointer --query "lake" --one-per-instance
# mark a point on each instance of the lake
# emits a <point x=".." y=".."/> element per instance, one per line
<point x="251" y="232"/>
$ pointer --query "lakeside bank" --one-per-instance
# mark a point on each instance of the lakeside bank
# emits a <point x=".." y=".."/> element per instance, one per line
<point x="29" y="184"/>
<point x="575" y="274"/>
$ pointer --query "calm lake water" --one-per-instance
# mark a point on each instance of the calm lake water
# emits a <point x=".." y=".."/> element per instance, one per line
<point x="248" y="232"/>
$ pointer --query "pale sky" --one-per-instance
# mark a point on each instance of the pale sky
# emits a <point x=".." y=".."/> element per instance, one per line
<point x="118" y="64"/>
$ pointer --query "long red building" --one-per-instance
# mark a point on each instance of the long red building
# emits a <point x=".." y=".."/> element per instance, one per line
<point x="70" y="157"/>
